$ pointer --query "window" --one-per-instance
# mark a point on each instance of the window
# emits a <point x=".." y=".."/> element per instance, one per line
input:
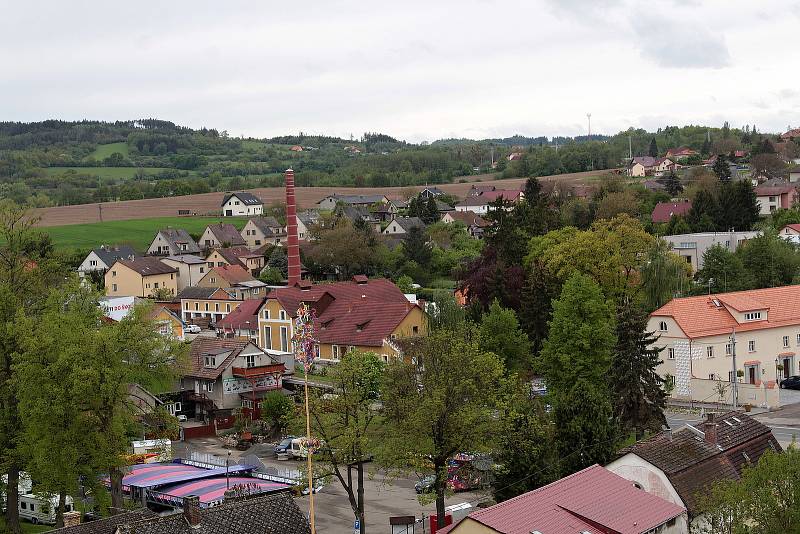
<point x="208" y="386"/>
<point x="258" y="241"/>
<point x="250" y="360"/>
<point x="114" y="286"/>
<point x="415" y="330"/>
<point x="335" y="352"/>
<point x="202" y="270"/>
<point x="662" y="326"/>
<point x="670" y="354"/>
<point x="23" y="505"/>
<point x="751" y="345"/>
<point x="712" y="376"/>
<point x="267" y="337"/>
<point x="185" y="305"/>
<point x="213" y="280"/>
<point x="211" y="265"/>
<point x="147" y="286"/>
<point x="728" y="349"/>
<point x="785" y="341"/>
<point x="113" y="274"/>
<point x="752" y="316"/>
<point x="709" y="352"/>
<point x="798" y="339"/>
<point x="155" y="285"/>
<point x="282" y="315"/>
<point x="206" y="304"/>
<point x="246" y="403"/>
<point x="266" y="316"/>
<point x="216" y="306"/>
<point x="210" y="361"/>
<point x="772" y="199"/>
<point x="284" y="339"/>
<point x="196" y="306"/>
<point x="227" y="308"/>
<point x="93" y="263"/>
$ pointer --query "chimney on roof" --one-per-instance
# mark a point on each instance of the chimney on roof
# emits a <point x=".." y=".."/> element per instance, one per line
<point x="191" y="510"/>
<point x="293" y="244"/>
<point x="710" y="430"/>
<point x="72" y="519"/>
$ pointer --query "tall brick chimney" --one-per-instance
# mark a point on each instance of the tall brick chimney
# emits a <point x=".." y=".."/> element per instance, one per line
<point x="293" y="245"/>
<point x="710" y="430"/>
<point x="191" y="510"/>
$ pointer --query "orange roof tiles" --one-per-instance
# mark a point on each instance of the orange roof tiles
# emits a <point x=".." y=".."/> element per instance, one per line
<point x="699" y="316"/>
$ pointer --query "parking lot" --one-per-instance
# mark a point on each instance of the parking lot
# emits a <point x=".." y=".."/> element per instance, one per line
<point x="383" y="498"/>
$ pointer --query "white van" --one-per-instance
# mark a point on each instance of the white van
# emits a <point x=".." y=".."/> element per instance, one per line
<point x="42" y="510"/>
<point x="295" y="449"/>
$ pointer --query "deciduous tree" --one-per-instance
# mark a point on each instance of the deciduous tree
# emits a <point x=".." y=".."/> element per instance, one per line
<point x="499" y="332"/>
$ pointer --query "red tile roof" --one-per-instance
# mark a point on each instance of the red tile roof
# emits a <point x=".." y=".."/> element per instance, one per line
<point x="594" y="500"/>
<point x="508" y="194"/>
<point x="795" y="227"/>
<point x="245" y="316"/>
<point x="233" y="274"/>
<point x="148" y="266"/>
<point x="350" y="313"/>
<point x="699" y="316"/>
<point x="664" y="211"/>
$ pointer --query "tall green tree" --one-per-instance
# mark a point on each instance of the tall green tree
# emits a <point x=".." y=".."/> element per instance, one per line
<point x="416" y="247"/>
<point x="769" y="260"/>
<point x="499" y="332"/>
<point x="722" y="271"/>
<point x="348" y="423"/>
<point x="536" y="305"/>
<point x="652" y="151"/>
<point x="703" y="212"/>
<point x="431" y="212"/>
<point x="663" y="275"/>
<point x="575" y="361"/>
<point x="672" y="184"/>
<point x="721" y="168"/>
<point x="638" y="396"/>
<point x="440" y="400"/>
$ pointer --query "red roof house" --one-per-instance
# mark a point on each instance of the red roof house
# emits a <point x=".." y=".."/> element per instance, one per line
<point x="594" y="501"/>
<point x="680" y="152"/>
<point x="664" y="211"/>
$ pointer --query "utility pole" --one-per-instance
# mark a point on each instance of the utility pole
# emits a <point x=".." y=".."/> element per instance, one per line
<point x="589" y="116"/>
<point x="735" y="377"/>
<point x="630" y="149"/>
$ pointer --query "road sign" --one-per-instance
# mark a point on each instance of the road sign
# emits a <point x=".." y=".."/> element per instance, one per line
<point x="356" y="526"/>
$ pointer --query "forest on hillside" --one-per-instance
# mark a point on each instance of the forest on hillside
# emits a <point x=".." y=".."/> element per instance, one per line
<point x="60" y="163"/>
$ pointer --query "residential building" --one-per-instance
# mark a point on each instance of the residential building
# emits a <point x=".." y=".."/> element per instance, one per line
<point x="384" y="212"/>
<point x="514" y="156"/>
<point x="641" y="166"/>
<point x="431" y="192"/>
<point x="190" y="268"/>
<point x="275" y="513"/>
<point x="791" y="135"/>
<point x="172" y="242"/>
<point x="478" y="189"/>
<point x="235" y="280"/>
<point x="698" y="335"/>
<point x="106" y="525"/>
<point x="402" y="225"/>
<point x="594" y="500"/>
<point x="663" y="166"/>
<point x="680" y="153"/>
<point x="305" y="221"/>
<point x="775" y="194"/>
<point x="242" y="323"/>
<point x="204" y="305"/>
<point x="261" y="231"/>
<point x="361" y="314"/>
<point x="663" y="211"/>
<point x="680" y="466"/>
<point x="480" y="203"/>
<point x="790" y="232"/>
<point x="692" y="247"/>
<point x="221" y="235"/>
<point x="140" y="277"/>
<point x="102" y="258"/>
<point x="475" y="223"/>
<point x="241" y="204"/>
<point x="222" y="373"/>
<point x="358" y="213"/>
<point x="167" y="323"/>
<point x="330" y="201"/>
<point x="253" y="262"/>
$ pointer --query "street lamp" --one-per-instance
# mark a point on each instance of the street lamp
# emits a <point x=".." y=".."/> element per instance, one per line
<point x="776" y="371"/>
<point x="227" y="479"/>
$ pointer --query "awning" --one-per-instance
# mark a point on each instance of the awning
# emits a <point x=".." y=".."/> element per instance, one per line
<point x="753" y="362"/>
<point x="786" y="354"/>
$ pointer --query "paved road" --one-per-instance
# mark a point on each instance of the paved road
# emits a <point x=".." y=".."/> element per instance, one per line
<point x="784" y="424"/>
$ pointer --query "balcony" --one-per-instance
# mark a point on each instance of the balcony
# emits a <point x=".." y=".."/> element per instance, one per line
<point x="258" y="371"/>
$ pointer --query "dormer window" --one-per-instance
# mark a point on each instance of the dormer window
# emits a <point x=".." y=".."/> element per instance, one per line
<point x="752" y="316"/>
<point x="662" y="326"/>
<point x="210" y="361"/>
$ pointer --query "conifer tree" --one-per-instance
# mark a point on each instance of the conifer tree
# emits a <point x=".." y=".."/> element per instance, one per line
<point x="653" y="150"/>
<point x="673" y="185"/>
<point x="721" y="168"/>
<point x="639" y="398"/>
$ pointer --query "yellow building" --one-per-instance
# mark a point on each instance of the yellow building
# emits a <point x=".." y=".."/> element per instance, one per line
<point x="241" y="256"/>
<point x="167" y="323"/>
<point x="236" y="280"/>
<point x="365" y="315"/>
<point x="140" y="277"/>
<point x="205" y="304"/>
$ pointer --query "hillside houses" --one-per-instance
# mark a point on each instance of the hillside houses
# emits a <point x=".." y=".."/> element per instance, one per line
<point x="650" y="166"/>
<point x="241" y="204"/>
<point x="480" y="203"/>
<point x="235" y="279"/>
<point x="253" y="262"/>
<point x="172" y="242"/>
<point x="664" y="211"/>
<point x="140" y="277"/>
<point x="403" y="225"/>
<point x="775" y="194"/>
<point x="475" y="223"/>
<point x="103" y="257"/>
<point x="260" y="231"/>
<point x="330" y="202"/>
<point x="204" y="305"/>
<point x="221" y="235"/>
<point x="190" y="268"/>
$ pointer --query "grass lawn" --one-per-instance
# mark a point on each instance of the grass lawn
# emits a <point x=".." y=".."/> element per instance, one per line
<point x="103" y="151"/>
<point x="29" y="528"/>
<point x="106" y="173"/>
<point x="250" y="144"/>
<point x="138" y="233"/>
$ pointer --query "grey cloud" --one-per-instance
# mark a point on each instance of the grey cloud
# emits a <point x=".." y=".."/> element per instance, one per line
<point x="681" y="44"/>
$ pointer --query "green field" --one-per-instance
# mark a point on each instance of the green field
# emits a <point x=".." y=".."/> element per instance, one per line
<point x="106" y="173"/>
<point x="138" y="233"/>
<point x="103" y="151"/>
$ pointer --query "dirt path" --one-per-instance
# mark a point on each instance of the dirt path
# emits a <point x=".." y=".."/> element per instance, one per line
<point x="210" y="202"/>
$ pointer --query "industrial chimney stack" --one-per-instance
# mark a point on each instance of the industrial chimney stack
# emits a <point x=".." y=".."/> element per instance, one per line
<point x="293" y="245"/>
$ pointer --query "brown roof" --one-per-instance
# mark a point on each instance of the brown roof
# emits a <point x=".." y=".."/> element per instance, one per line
<point x="234" y="255"/>
<point x="107" y="525"/>
<point x="270" y="514"/>
<point x="245" y="316"/>
<point x="204" y="346"/>
<point x="692" y="464"/>
<point x="469" y="218"/>
<point x="663" y="211"/>
<point x="233" y="274"/>
<point x="226" y="233"/>
<point x="148" y="266"/>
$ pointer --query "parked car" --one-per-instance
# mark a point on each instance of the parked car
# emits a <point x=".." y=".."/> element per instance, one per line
<point x="282" y="448"/>
<point x="193" y="329"/>
<point x="425" y="485"/>
<point x="793" y="382"/>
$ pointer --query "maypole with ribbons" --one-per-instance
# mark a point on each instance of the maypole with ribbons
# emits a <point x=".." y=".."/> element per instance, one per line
<point x="305" y="348"/>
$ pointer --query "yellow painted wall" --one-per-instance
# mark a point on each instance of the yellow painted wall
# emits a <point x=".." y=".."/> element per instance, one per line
<point x="131" y="283"/>
<point x="470" y="526"/>
<point x="274" y="322"/>
<point x="177" y="327"/>
<point x="201" y="304"/>
<point x="219" y="281"/>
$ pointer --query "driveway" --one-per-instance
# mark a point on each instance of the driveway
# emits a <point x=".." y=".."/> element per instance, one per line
<point x="789" y="396"/>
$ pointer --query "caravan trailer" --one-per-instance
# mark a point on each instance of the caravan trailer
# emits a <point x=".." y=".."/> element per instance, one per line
<point x="40" y="509"/>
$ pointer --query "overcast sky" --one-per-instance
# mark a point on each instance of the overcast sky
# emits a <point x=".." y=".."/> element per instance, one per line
<point x="418" y="70"/>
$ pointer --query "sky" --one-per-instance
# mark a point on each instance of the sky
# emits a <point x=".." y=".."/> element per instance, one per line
<point x="417" y="70"/>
